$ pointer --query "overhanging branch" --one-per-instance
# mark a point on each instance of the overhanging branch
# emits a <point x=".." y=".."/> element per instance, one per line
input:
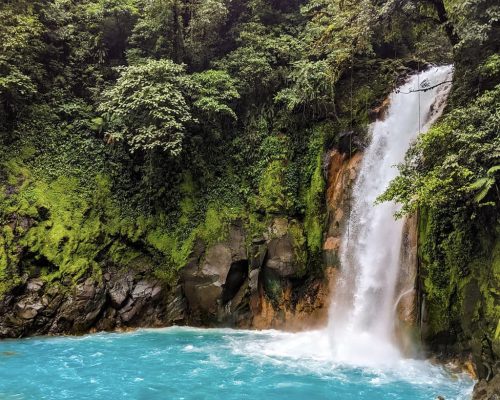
<point x="426" y="89"/>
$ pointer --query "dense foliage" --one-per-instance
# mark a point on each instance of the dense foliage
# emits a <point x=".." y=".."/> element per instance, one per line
<point x="132" y="128"/>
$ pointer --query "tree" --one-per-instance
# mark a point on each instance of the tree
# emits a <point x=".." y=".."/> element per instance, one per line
<point x="20" y="70"/>
<point x="158" y="32"/>
<point x="260" y="62"/>
<point x="153" y="104"/>
<point x="452" y="165"/>
<point x="147" y="108"/>
<point x="204" y="29"/>
<point x="213" y="92"/>
<point x="336" y="32"/>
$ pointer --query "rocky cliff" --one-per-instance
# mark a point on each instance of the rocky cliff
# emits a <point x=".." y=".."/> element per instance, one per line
<point x="259" y="282"/>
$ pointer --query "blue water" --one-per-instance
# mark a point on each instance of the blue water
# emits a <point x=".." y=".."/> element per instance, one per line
<point x="186" y="363"/>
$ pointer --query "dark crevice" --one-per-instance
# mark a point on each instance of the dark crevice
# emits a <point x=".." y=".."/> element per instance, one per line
<point x="237" y="275"/>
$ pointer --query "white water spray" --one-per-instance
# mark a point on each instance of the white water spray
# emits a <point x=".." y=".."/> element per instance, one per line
<point x="361" y="321"/>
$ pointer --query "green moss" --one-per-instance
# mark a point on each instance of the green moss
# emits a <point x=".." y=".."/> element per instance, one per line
<point x="299" y="243"/>
<point x="314" y="215"/>
<point x="461" y="275"/>
<point x="273" y="288"/>
<point x="66" y="228"/>
<point x="255" y="225"/>
<point x="272" y="196"/>
<point x="490" y="290"/>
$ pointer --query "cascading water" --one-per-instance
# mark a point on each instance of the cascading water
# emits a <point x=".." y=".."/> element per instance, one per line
<point x="361" y="321"/>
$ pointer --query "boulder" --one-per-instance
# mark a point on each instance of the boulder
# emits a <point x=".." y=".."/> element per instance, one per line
<point x="34" y="285"/>
<point x="203" y="284"/>
<point x="281" y="257"/>
<point x="80" y="310"/>
<point x="206" y="279"/>
<point x="119" y="290"/>
<point x="141" y="305"/>
<point x="28" y="307"/>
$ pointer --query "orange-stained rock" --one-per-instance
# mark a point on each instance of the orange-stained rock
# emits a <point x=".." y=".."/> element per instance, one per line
<point x="406" y="289"/>
<point x="331" y="244"/>
<point x="310" y="312"/>
<point x="342" y="172"/>
<point x="379" y="112"/>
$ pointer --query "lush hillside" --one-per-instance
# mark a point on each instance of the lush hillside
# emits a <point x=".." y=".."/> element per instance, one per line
<point x="135" y="131"/>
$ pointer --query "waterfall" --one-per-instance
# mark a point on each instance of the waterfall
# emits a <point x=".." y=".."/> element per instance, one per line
<point x="362" y="313"/>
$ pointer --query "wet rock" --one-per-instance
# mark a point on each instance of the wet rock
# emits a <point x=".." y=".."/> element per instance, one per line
<point x="28" y="308"/>
<point x="254" y="280"/>
<point x="146" y="290"/>
<point x="258" y="256"/>
<point x="307" y="310"/>
<point x="484" y="390"/>
<point x="118" y="291"/>
<point x="80" y="310"/>
<point x="342" y="171"/>
<point x="86" y="291"/>
<point x="52" y="301"/>
<point x="281" y="257"/>
<point x="331" y="251"/>
<point x="130" y="310"/>
<point x="108" y="320"/>
<point x="143" y="298"/>
<point x="176" y="306"/>
<point x="122" y="298"/>
<point x="203" y="284"/>
<point x="34" y="285"/>
<point x="206" y="279"/>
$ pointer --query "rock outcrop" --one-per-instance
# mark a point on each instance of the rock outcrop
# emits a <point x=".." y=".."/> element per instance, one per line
<point x="407" y="304"/>
<point x="116" y="300"/>
<point x="257" y="283"/>
<point x="254" y="284"/>
<point x="341" y="174"/>
<point x="484" y="390"/>
<point x="214" y="275"/>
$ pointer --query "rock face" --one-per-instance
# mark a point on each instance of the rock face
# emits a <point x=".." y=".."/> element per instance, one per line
<point x="205" y="278"/>
<point x="485" y="390"/>
<point x="258" y="282"/>
<point x="309" y="311"/>
<point x="237" y="282"/>
<point x="407" y="296"/>
<point x="116" y="300"/>
<point x="342" y="172"/>
<point x="251" y="285"/>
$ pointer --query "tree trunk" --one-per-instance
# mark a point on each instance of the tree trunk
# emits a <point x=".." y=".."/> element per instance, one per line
<point x="444" y="20"/>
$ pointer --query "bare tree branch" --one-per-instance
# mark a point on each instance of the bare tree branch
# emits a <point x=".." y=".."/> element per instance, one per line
<point x="426" y="89"/>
